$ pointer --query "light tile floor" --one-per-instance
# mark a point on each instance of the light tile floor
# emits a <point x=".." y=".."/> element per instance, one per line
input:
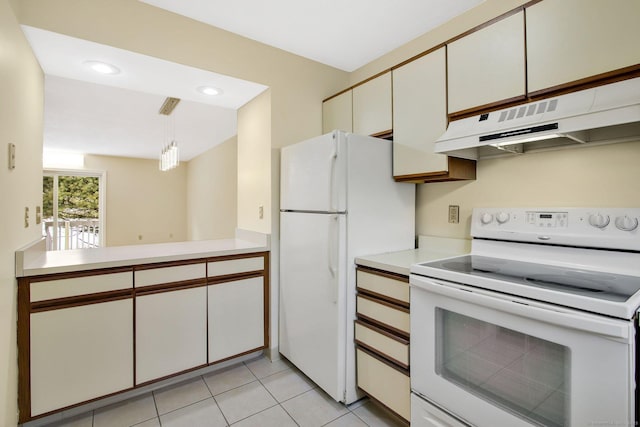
<point x="257" y="393"/>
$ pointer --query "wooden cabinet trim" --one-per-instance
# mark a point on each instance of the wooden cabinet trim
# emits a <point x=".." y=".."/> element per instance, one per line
<point x="24" y="350"/>
<point x="214" y="280"/>
<point x="381" y="325"/>
<point x="376" y="296"/>
<point x="459" y="169"/>
<point x="163" y="264"/>
<point x="383" y="360"/>
<point x="625" y="73"/>
<point x="382" y="355"/>
<point x="498" y="105"/>
<point x="385" y="303"/>
<point x="383" y="273"/>
<point x="238" y="256"/>
<point x="379" y="330"/>
<point x="77" y="274"/>
<point x="170" y="287"/>
<point x="398" y="416"/>
<point x="77" y="301"/>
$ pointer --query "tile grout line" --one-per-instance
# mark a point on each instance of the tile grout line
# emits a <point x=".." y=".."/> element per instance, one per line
<point x="215" y="401"/>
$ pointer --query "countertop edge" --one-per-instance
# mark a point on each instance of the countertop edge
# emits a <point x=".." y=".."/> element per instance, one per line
<point x="32" y="260"/>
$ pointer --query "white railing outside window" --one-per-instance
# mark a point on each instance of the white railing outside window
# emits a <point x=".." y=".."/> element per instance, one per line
<point x="72" y="234"/>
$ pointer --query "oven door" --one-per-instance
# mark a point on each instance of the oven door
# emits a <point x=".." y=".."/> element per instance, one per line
<point x="496" y="360"/>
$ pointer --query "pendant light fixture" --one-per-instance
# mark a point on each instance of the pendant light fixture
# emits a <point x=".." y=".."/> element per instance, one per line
<point x="169" y="155"/>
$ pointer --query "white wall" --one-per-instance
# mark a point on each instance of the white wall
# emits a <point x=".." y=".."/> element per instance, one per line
<point x="21" y="121"/>
<point x="606" y="175"/>
<point x="212" y="193"/>
<point x="143" y="204"/>
<point x="254" y="164"/>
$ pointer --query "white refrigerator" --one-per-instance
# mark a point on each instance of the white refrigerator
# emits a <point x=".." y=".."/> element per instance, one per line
<point x="338" y="201"/>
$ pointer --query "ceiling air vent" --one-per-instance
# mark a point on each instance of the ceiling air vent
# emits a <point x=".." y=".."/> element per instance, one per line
<point x="168" y="105"/>
<point x="528" y="110"/>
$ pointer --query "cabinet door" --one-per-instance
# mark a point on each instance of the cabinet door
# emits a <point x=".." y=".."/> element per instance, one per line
<point x="488" y="65"/>
<point x="569" y="40"/>
<point x="236" y="317"/>
<point x="80" y="353"/>
<point x="337" y="113"/>
<point x="372" y="106"/>
<point x="419" y="114"/>
<point x="171" y="332"/>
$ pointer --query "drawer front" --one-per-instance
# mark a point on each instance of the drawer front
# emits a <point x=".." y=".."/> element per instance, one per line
<point x="384" y="314"/>
<point x="62" y="288"/>
<point x="392" y="348"/>
<point x="386" y="384"/>
<point x="385" y="286"/>
<point x="179" y="273"/>
<point x="235" y="266"/>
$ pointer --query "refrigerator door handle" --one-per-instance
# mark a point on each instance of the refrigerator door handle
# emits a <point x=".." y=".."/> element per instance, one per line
<point x="333" y="256"/>
<point x="332" y="177"/>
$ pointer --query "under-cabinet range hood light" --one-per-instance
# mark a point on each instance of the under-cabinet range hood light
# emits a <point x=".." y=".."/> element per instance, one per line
<point x="603" y="114"/>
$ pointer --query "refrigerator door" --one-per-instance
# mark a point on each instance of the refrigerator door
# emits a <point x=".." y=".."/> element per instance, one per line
<point x="313" y="297"/>
<point x="313" y="174"/>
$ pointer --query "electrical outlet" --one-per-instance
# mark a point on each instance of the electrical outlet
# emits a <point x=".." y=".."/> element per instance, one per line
<point x="261" y="212"/>
<point x="26" y="217"/>
<point x="454" y="214"/>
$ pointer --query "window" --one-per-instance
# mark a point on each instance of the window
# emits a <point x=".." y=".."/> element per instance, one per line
<point x="72" y="210"/>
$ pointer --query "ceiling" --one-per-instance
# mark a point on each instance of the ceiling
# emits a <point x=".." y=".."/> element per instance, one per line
<point x="344" y="34"/>
<point x="118" y="114"/>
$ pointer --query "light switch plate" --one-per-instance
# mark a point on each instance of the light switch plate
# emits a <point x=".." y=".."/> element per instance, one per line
<point x="454" y="214"/>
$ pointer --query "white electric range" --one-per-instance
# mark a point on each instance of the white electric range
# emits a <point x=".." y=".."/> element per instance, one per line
<point x="538" y="325"/>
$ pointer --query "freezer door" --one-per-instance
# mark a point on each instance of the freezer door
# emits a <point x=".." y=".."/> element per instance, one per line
<point x="313" y="174"/>
<point x="312" y="297"/>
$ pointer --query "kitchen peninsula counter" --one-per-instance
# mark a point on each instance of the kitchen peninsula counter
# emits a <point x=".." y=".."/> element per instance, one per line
<point x="35" y="260"/>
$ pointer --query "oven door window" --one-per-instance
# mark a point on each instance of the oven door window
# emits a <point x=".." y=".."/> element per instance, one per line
<point x="522" y="374"/>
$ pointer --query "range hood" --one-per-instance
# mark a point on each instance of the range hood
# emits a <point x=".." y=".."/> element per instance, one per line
<point x="603" y="114"/>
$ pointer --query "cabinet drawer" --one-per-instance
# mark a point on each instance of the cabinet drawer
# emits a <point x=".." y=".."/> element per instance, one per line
<point x="395" y="318"/>
<point x="388" y="385"/>
<point x="235" y="266"/>
<point x="385" y="286"/>
<point x="178" y="273"/>
<point x="391" y="347"/>
<point x="62" y="288"/>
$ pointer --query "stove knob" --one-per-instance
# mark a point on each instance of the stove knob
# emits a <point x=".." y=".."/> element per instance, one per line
<point x="502" y="217"/>
<point x="626" y="223"/>
<point x="486" y="218"/>
<point x="599" y="220"/>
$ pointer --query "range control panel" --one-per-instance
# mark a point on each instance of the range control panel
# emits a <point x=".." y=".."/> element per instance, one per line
<point x="614" y="228"/>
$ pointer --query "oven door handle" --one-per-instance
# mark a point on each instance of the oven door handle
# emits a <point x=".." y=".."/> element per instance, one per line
<point x="610" y="328"/>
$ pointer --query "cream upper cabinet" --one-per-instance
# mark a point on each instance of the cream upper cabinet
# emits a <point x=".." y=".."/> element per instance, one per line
<point x="337" y="113"/>
<point x="419" y="114"/>
<point x="372" y="106"/>
<point x="487" y="65"/>
<point x="568" y="40"/>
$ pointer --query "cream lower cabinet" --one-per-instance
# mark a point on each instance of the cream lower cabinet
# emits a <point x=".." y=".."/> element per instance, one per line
<point x="171" y="332"/>
<point x="382" y="339"/>
<point x="568" y="40"/>
<point x="236" y="317"/>
<point x="80" y="353"/>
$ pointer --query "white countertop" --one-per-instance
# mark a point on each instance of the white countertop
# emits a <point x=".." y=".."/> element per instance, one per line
<point x="34" y="261"/>
<point x="430" y="248"/>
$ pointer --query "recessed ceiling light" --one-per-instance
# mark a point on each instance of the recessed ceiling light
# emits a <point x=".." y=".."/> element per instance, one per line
<point x="209" y="90"/>
<point x="102" y="67"/>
